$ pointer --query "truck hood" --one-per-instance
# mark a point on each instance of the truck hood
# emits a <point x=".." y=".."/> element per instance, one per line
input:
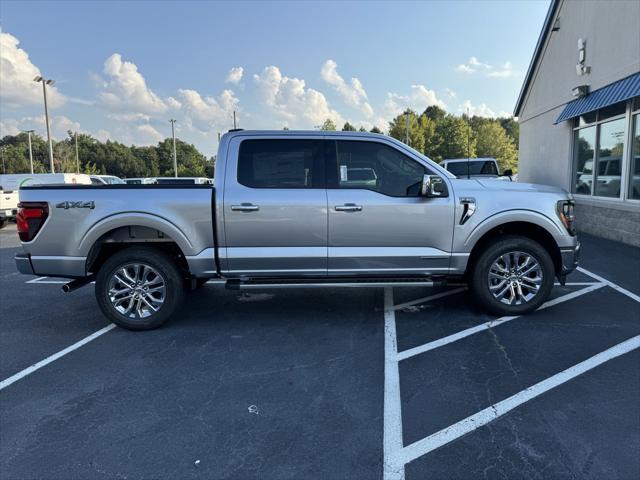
<point x="520" y="187"/>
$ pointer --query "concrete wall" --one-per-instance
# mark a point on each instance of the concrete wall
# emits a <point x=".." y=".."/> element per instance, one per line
<point x="611" y="31"/>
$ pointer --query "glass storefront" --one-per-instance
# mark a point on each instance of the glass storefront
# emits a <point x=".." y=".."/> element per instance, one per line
<point x="606" y="157"/>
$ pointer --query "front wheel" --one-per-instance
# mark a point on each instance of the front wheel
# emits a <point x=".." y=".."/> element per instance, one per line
<point x="139" y="288"/>
<point x="513" y="276"/>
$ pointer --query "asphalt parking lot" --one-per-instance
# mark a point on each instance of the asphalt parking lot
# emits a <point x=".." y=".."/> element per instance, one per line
<point x="330" y="384"/>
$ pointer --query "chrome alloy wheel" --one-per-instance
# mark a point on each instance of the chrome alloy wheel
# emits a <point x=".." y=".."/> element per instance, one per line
<point x="515" y="278"/>
<point x="136" y="290"/>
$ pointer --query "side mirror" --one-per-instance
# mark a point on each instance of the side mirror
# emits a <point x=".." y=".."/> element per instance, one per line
<point x="508" y="173"/>
<point x="433" y="186"/>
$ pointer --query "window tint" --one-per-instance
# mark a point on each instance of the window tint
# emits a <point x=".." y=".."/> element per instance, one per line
<point x="377" y="167"/>
<point x="474" y="167"/>
<point x="280" y="164"/>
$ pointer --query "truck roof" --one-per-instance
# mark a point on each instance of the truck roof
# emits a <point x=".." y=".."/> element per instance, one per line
<point x="478" y="159"/>
<point x="319" y="133"/>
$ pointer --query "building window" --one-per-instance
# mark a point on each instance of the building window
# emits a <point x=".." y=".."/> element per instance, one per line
<point x="634" y="177"/>
<point x="604" y="160"/>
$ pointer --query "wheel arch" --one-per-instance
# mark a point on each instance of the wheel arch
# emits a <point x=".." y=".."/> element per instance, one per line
<point x="528" y="229"/>
<point x="119" y="237"/>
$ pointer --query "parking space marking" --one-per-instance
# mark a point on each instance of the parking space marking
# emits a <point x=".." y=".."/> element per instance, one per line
<point x="471" y="423"/>
<point x="493" y="323"/>
<point x="615" y="286"/>
<point x="42" y="363"/>
<point x="392" y="428"/>
<point x="43" y="280"/>
<point x="427" y="299"/>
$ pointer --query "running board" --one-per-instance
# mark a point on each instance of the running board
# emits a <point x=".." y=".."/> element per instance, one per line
<point x="331" y="283"/>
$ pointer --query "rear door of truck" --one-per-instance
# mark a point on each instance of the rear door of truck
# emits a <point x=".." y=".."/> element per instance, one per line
<point x="275" y="206"/>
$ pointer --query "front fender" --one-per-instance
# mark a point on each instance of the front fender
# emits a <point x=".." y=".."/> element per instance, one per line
<point x="528" y="216"/>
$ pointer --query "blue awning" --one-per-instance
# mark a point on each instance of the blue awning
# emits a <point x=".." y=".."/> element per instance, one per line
<point x="603" y="97"/>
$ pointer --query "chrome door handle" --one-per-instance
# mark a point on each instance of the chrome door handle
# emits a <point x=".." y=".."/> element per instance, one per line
<point x="245" y="207"/>
<point x="348" y="207"/>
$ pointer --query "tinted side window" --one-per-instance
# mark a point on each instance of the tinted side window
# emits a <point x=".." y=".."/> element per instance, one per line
<point x="281" y="164"/>
<point x="378" y="167"/>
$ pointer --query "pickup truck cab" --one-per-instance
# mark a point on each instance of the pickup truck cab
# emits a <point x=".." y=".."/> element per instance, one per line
<point x="300" y="209"/>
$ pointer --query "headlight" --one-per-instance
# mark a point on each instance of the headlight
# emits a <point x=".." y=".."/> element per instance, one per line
<point x="565" y="211"/>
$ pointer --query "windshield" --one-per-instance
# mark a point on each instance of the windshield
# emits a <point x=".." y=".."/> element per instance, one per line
<point x="113" y="180"/>
<point x="477" y="167"/>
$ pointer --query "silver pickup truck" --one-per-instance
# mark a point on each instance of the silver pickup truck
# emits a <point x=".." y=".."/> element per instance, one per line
<point x="300" y="209"/>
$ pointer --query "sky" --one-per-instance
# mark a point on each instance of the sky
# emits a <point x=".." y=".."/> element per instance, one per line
<point x="124" y="68"/>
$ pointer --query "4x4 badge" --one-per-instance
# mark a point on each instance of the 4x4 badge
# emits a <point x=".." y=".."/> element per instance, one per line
<point x="68" y="205"/>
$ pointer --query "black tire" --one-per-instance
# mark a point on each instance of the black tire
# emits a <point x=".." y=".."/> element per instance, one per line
<point x="480" y="283"/>
<point x="2" y="222"/>
<point x="162" y="266"/>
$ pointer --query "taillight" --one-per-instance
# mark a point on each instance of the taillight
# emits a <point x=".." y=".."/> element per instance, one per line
<point x="565" y="211"/>
<point x="30" y="218"/>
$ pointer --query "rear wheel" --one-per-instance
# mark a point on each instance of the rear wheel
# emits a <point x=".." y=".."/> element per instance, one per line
<point x="513" y="276"/>
<point x="139" y="288"/>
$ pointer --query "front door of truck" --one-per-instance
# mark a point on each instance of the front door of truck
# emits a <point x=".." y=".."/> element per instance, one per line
<point x="275" y="207"/>
<point x="378" y="222"/>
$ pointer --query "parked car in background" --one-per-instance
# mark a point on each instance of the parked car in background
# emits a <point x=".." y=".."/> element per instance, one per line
<point x="183" y="181"/>
<point x="10" y="185"/>
<point x="476" y="168"/>
<point x="8" y="205"/>
<point x="286" y="215"/>
<point x="139" y="181"/>
<point x="106" y="180"/>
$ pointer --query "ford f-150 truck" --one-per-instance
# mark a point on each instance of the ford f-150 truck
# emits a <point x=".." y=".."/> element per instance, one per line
<point x="303" y="209"/>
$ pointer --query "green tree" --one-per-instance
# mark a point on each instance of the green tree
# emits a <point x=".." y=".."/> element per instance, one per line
<point x="435" y="113"/>
<point x="398" y="129"/>
<point x="191" y="163"/>
<point x="328" y="125"/>
<point x="362" y="129"/>
<point x="512" y="128"/>
<point x="457" y="139"/>
<point x="493" y="141"/>
<point x="348" y="127"/>
<point x="375" y="130"/>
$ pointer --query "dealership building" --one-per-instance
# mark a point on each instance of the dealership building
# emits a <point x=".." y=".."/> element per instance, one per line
<point x="579" y="113"/>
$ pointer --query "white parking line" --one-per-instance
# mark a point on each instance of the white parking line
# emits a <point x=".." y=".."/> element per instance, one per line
<point x="469" y="424"/>
<point x="392" y="428"/>
<point x="493" y="323"/>
<point x="42" y="363"/>
<point x="43" y="281"/>
<point x="427" y="299"/>
<point x="615" y="286"/>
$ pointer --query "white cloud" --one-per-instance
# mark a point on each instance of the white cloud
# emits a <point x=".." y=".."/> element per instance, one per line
<point x="148" y="135"/>
<point x="173" y="103"/>
<point x="505" y="71"/>
<point x="450" y="93"/>
<point x="17" y="74"/>
<point x="129" y="117"/>
<point x="103" y="135"/>
<point x="235" y="75"/>
<point x="126" y="89"/>
<point x="60" y="125"/>
<point x="206" y="113"/>
<point x="353" y="93"/>
<point x="474" y="65"/>
<point x="417" y="100"/>
<point x="481" y="110"/>
<point x="292" y="101"/>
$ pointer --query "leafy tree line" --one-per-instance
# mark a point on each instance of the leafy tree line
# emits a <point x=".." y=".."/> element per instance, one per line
<point x="440" y="135"/>
<point x="434" y="132"/>
<point x="108" y="157"/>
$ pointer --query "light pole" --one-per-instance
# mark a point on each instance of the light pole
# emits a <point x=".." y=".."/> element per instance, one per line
<point x="46" y="82"/>
<point x="2" y="153"/>
<point x="77" y="156"/>
<point x="29" y="132"/>
<point x="175" y="156"/>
